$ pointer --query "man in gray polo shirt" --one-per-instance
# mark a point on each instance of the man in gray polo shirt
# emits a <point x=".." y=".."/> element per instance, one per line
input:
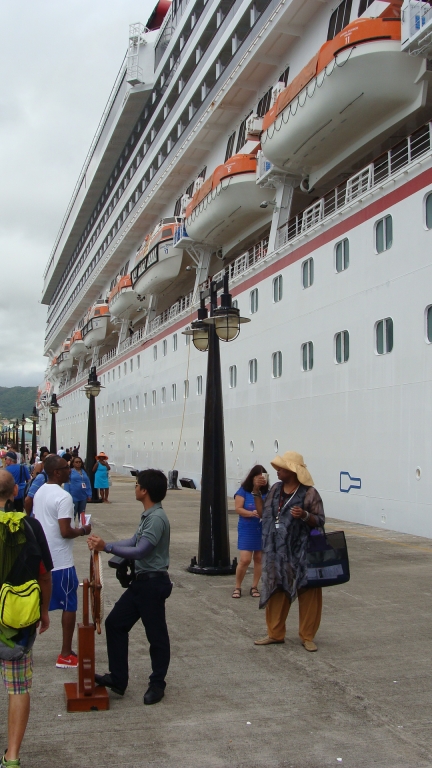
<point x="145" y="597"/>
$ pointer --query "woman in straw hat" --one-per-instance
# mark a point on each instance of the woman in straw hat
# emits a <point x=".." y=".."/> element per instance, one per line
<point x="291" y="509"/>
<point x="101" y="479"/>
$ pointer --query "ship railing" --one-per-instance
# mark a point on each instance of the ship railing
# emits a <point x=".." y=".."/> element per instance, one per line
<point x="370" y="177"/>
<point x="172" y="312"/>
<point x="107" y="356"/>
<point x="244" y="262"/>
<point x="131" y="341"/>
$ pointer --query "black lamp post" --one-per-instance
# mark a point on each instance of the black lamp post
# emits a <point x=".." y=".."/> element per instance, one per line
<point x="53" y="409"/>
<point x="16" y="435"/>
<point x="223" y="324"/>
<point x="23" y="426"/>
<point x="92" y="390"/>
<point x="35" y="418"/>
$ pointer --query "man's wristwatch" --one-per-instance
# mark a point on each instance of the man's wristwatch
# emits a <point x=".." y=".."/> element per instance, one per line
<point x="108" y="548"/>
<point x="83" y="531"/>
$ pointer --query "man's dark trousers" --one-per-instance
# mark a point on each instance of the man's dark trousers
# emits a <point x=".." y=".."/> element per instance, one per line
<point x="144" y="599"/>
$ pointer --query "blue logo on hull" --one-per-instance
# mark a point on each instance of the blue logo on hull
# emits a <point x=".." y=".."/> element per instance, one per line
<point x="346" y="482"/>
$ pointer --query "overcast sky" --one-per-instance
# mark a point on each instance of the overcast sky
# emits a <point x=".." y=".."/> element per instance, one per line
<point x="58" y="62"/>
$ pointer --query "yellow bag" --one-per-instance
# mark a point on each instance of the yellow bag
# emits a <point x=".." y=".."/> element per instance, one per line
<point x="20" y="606"/>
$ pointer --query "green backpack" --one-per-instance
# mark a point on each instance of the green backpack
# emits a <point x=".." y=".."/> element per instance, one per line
<point x="20" y="604"/>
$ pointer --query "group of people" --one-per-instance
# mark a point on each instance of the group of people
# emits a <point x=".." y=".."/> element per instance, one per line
<point x="280" y="520"/>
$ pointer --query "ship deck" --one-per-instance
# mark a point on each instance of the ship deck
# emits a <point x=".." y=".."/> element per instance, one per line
<point x="363" y="698"/>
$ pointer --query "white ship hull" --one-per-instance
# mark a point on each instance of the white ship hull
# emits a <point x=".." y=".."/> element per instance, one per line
<point x="359" y="413"/>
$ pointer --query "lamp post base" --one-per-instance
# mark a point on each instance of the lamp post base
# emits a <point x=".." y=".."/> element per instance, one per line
<point x="212" y="570"/>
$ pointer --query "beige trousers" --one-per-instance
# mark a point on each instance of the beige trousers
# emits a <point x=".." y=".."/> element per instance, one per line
<point x="310" y="608"/>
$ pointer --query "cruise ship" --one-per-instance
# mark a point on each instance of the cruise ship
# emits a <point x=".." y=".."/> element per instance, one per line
<point x="287" y="144"/>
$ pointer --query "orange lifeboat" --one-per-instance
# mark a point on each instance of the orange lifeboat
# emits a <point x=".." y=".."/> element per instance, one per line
<point x="96" y="328"/>
<point x="123" y="300"/>
<point x="54" y="369"/>
<point x="157" y="262"/>
<point x="65" y="359"/>
<point x="77" y="346"/>
<point x="227" y="203"/>
<point x="356" y="86"/>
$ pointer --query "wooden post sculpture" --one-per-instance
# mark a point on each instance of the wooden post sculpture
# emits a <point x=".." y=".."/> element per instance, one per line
<point x="85" y="696"/>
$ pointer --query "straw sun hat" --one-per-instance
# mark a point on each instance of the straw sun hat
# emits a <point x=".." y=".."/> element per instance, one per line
<point x="102" y="455"/>
<point x="295" y="462"/>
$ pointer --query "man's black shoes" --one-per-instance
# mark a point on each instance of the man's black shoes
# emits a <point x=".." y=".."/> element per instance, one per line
<point x="106" y="680"/>
<point x="153" y="694"/>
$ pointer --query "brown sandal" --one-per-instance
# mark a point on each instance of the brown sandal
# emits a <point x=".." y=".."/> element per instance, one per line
<point x="254" y="592"/>
<point x="237" y="593"/>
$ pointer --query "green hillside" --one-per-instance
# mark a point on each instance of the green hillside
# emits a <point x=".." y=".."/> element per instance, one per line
<point x="14" y="401"/>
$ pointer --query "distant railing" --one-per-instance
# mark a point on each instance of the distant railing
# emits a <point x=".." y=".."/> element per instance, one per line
<point x="385" y="166"/>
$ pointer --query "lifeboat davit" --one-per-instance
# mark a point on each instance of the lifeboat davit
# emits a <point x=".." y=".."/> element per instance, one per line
<point x="96" y="328"/>
<point x="77" y="346"/>
<point x="158" y="262"/>
<point x="358" y="85"/>
<point x="123" y="300"/>
<point x="65" y="359"/>
<point x="227" y="203"/>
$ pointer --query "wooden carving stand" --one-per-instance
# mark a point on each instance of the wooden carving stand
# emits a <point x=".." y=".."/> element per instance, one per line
<point x="85" y="696"/>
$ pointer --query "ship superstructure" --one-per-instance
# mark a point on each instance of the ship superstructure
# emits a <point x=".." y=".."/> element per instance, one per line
<point x="290" y="144"/>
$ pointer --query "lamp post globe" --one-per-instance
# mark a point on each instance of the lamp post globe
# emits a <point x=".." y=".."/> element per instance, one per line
<point x="92" y="390"/>
<point x="213" y="546"/>
<point x="199" y="330"/>
<point x="53" y="409"/>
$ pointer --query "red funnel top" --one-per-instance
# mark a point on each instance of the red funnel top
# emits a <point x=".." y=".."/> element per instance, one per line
<point x="158" y="14"/>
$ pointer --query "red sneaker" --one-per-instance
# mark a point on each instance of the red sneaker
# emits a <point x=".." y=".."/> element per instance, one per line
<point x="63" y="662"/>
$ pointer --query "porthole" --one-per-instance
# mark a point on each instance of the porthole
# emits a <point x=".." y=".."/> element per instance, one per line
<point x="252" y="446"/>
<point x="276" y="446"/>
<point x="418" y="473"/>
<point x="231" y="446"/>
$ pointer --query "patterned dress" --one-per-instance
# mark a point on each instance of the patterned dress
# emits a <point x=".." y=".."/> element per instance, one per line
<point x="285" y="546"/>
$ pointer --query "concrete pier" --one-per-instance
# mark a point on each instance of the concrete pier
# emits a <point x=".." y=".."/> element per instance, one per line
<point x="362" y="701"/>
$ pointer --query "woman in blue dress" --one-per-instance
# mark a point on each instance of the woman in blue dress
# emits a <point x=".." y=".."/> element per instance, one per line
<point x="249" y="532"/>
<point x="79" y="487"/>
<point x="101" y="479"/>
